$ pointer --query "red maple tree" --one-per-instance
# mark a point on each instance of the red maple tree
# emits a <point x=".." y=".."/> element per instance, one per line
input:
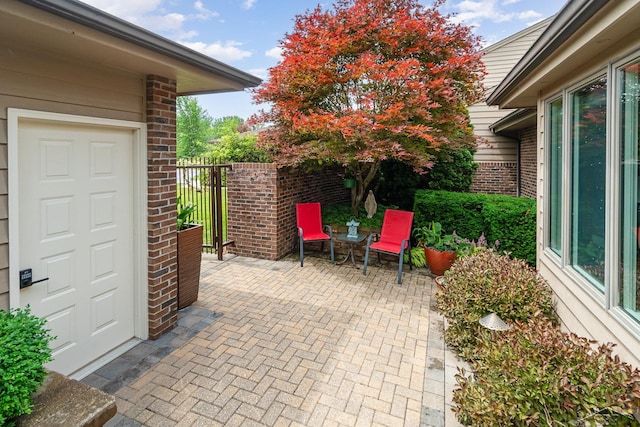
<point x="371" y="80"/>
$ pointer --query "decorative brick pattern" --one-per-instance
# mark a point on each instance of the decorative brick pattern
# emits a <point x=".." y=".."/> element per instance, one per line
<point x="528" y="162"/>
<point x="161" y="188"/>
<point x="262" y="205"/>
<point x="496" y="178"/>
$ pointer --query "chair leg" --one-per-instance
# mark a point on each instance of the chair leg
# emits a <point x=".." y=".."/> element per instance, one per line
<point x="400" y="264"/>
<point x="366" y="261"/>
<point x="332" y="256"/>
<point x="301" y="252"/>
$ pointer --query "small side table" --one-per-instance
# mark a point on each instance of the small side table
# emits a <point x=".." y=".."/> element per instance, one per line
<point x="351" y="242"/>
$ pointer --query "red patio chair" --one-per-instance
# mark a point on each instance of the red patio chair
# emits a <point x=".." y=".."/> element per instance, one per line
<point x="309" y="221"/>
<point x="394" y="238"/>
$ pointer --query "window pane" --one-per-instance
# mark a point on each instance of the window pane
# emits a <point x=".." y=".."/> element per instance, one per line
<point x="588" y="144"/>
<point x="554" y="215"/>
<point x="629" y="98"/>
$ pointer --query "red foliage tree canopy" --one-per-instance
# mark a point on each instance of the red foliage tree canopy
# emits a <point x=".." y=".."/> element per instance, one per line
<point x="370" y="80"/>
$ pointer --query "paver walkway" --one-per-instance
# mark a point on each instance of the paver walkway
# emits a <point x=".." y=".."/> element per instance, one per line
<point x="273" y="344"/>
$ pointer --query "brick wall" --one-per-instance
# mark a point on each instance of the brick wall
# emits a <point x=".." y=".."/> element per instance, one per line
<point x="262" y="205"/>
<point x="161" y="188"/>
<point x="496" y="178"/>
<point x="528" y="162"/>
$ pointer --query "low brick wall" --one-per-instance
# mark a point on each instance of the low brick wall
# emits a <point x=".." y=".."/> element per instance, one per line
<point x="262" y="205"/>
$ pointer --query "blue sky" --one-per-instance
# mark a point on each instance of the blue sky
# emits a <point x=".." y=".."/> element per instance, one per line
<point x="245" y="33"/>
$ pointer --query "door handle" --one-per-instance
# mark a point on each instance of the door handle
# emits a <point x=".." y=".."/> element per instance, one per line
<point x="26" y="278"/>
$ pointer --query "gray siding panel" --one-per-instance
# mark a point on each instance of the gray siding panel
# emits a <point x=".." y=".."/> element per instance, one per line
<point x="37" y="82"/>
<point x="499" y="59"/>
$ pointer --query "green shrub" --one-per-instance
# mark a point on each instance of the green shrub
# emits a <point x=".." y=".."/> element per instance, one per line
<point x="418" y="258"/>
<point x="396" y="184"/>
<point x="459" y="212"/>
<point x="340" y="214"/>
<point x="485" y="282"/>
<point x="453" y="171"/>
<point x="510" y="220"/>
<point x="537" y="375"/>
<point x="23" y="351"/>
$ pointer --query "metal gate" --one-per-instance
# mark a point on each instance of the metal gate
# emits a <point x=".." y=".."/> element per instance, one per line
<point x="204" y="183"/>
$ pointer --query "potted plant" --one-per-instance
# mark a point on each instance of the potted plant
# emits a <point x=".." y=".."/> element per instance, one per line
<point x="348" y="180"/>
<point x="440" y="249"/>
<point x="189" y="255"/>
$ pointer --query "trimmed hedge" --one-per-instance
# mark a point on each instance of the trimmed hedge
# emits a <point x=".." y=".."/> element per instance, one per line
<point x="510" y="220"/>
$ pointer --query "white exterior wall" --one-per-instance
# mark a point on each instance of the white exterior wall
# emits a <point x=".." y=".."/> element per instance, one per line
<point x="581" y="308"/>
<point x="499" y="59"/>
<point x="43" y="82"/>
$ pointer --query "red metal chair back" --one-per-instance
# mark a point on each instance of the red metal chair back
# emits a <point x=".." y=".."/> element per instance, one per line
<point x="396" y="226"/>
<point x="309" y="218"/>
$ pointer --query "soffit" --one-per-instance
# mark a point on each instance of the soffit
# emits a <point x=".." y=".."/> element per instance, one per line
<point x="610" y="31"/>
<point x="30" y="28"/>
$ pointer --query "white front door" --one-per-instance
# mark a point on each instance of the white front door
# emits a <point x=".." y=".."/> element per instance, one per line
<point x="76" y="228"/>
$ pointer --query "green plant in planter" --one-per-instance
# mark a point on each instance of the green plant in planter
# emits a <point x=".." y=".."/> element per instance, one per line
<point x="23" y="352"/>
<point x="537" y="375"/>
<point x="431" y="236"/>
<point x="184" y="213"/>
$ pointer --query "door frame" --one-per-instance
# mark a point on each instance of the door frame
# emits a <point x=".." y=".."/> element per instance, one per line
<point x="140" y="225"/>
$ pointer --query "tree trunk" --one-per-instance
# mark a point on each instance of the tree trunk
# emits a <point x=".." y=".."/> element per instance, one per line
<point x="364" y="175"/>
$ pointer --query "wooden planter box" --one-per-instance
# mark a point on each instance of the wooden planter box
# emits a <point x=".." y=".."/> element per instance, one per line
<point x="189" y="258"/>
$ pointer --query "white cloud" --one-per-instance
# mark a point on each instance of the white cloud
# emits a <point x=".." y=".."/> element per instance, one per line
<point x="274" y="52"/>
<point x="170" y="22"/>
<point x="248" y="4"/>
<point x="204" y="13"/>
<point x="472" y="12"/>
<point x="228" y="51"/>
<point x="126" y="9"/>
<point x="263" y="73"/>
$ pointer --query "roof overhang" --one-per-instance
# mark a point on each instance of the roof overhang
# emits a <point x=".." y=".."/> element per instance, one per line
<point x="511" y="124"/>
<point x="582" y="30"/>
<point x="73" y="31"/>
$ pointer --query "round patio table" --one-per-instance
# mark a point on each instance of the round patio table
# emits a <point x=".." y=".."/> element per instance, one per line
<point x="351" y="242"/>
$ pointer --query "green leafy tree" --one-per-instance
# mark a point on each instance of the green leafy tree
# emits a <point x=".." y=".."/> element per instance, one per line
<point x="226" y="126"/>
<point x="367" y="81"/>
<point x="193" y="127"/>
<point x="239" y="147"/>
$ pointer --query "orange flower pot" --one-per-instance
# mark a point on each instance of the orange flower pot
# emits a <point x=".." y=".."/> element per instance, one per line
<point x="439" y="261"/>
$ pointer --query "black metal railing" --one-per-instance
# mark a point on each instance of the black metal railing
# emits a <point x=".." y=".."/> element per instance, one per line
<point x="203" y="182"/>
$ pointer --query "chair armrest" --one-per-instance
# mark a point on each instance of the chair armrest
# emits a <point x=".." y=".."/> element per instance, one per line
<point x="300" y="232"/>
<point x="408" y="243"/>
<point x="328" y="227"/>
<point x="371" y="237"/>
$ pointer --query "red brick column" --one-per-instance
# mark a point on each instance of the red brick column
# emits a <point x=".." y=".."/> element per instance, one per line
<point x="161" y="188"/>
<point x="528" y="162"/>
<point x="262" y="201"/>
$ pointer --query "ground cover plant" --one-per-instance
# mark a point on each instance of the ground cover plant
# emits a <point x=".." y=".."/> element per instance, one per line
<point x="486" y="282"/>
<point x="23" y="352"/>
<point x="537" y="375"/>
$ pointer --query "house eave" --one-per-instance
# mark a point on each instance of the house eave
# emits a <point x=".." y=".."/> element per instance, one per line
<point x="572" y="17"/>
<point x="514" y="122"/>
<point x="195" y="72"/>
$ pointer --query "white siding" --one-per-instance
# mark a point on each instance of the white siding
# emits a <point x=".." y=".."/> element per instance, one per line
<point x="499" y="59"/>
<point x="37" y="81"/>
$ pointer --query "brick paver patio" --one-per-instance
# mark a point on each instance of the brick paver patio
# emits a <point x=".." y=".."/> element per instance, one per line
<point x="274" y="344"/>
